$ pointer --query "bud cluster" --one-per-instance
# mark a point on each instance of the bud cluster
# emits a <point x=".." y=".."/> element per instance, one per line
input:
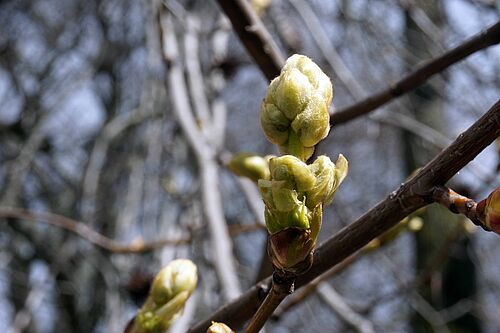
<point x="294" y="198"/>
<point x="294" y="115"/>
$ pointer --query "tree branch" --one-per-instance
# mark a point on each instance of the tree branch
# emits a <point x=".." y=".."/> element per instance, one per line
<point x="413" y="194"/>
<point x="280" y="289"/>
<point x="487" y="38"/>
<point x="331" y="297"/>
<point x="212" y="202"/>
<point x="254" y="36"/>
<point x="89" y="234"/>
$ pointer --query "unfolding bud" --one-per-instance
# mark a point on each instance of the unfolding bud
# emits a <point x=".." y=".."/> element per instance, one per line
<point x="294" y="114"/>
<point x="283" y="193"/>
<point x="491" y="209"/>
<point x="219" y="328"/>
<point x="297" y="217"/>
<point x="249" y="165"/>
<point x="329" y="176"/>
<point x="294" y="173"/>
<point x="169" y="292"/>
<point x="294" y="198"/>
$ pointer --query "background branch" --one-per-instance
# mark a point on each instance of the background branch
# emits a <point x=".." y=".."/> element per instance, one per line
<point x="89" y="234"/>
<point x="254" y="36"/>
<point x="205" y="154"/>
<point x="487" y="38"/>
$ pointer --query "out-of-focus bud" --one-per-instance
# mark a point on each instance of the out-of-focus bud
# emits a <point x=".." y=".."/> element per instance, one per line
<point x="169" y="292"/>
<point x="490" y="207"/>
<point x="219" y="328"/>
<point x="294" y="114"/>
<point x="415" y="224"/>
<point x="329" y="176"/>
<point x="260" y="6"/>
<point x="249" y="165"/>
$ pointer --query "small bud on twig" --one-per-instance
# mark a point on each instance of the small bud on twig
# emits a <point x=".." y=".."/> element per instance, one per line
<point x="250" y="165"/>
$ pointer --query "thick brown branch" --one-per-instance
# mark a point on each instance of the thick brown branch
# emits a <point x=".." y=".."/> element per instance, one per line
<point x="87" y="233"/>
<point x="487" y="38"/>
<point x="413" y="194"/>
<point x="254" y="36"/>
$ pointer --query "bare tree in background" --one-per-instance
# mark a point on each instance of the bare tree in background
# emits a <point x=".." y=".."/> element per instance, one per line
<point x="116" y="119"/>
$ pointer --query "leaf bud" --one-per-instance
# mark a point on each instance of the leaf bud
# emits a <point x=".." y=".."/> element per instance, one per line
<point x="329" y="176"/>
<point x="294" y="114"/>
<point x="249" y="165"/>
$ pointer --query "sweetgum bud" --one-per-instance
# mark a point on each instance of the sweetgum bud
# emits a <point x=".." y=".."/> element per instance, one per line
<point x="290" y="177"/>
<point x="294" y="114"/>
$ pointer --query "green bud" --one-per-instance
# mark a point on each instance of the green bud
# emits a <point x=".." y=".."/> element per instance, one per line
<point x="169" y="292"/>
<point x="249" y="165"/>
<point x="283" y="193"/>
<point x="292" y="171"/>
<point x="277" y="220"/>
<point x="219" y="328"/>
<point x="294" y="114"/>
<point x="329" y="176"/>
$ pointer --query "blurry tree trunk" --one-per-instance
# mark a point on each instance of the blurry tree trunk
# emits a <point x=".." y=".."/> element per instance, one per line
<point x="441" y="247"/>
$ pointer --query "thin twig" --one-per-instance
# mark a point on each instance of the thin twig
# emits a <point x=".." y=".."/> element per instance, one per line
<point x="409" y="197"/>
<point x="280" y="289"/>
<point x="459" y="204"/>
<point x="89" y="234"/>
<point x="324" y="43"/>
<point x="311" y="287"/>
<point x="331" y="297"/>
<point x="487" y="38"/>
<point x="205" y="154"/>
<point x="254" y="36"/>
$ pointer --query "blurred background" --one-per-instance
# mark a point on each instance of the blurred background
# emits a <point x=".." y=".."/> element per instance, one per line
<point x="88" y="130"/>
